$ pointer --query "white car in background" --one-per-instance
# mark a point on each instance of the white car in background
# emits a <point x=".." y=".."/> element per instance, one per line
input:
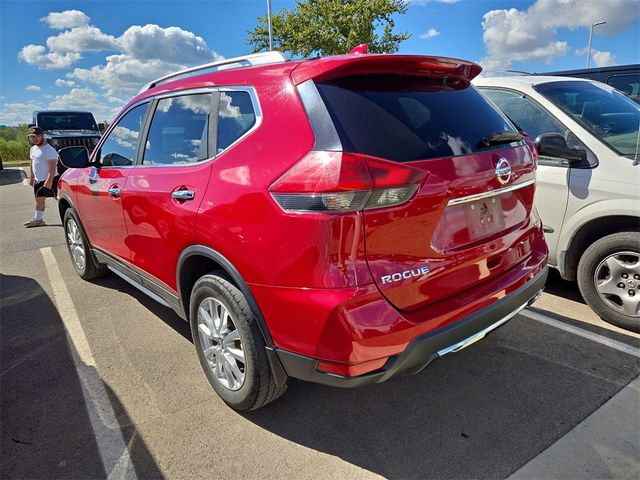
<point x="588" y="183"/>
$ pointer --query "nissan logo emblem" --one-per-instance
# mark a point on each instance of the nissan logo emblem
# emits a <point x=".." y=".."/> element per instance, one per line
<point x="503" y="170"/>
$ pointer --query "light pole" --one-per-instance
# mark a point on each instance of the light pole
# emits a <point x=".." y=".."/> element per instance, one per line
<point x="269" y="24"/>
<point x="590" y="37"/>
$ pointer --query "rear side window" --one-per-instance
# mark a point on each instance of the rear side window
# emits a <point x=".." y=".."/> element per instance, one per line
<point x="627" y="84"/>
<point x="179" y="131"/>
<point x="409" y="118"/>
<point x="525" y="113"/>
<point x="236" y="117"/>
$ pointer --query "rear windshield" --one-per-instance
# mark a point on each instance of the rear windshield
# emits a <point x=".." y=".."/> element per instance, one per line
<point x="410" y="118"/>
<point x="66" y="121"/>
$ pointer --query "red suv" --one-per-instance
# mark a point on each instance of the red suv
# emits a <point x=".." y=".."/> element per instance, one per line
<point x="341" y="220"/>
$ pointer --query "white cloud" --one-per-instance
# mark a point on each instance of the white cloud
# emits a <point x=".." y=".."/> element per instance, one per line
<point x="33" y="88"/>
<point x="149" y="52"/>
<point x="82" y="39"/>
<point x="603" y="59"/>
<point x="65" y="83"/>
<point x="66" y="19"/>
<point x="172" y="45"/>
<point x="37" y="55"/>
<point x="598" y="57"/>
<point x="16" y="113"/>
<point x="84" y="99"/>
<point x="522" y="35"/>
<point x="123" y="74"/>
<point x="429" y="34"/>
<point x="143" y="53"/>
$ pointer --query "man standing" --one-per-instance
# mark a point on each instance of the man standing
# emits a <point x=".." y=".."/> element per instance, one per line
<point x="42" y="173"/>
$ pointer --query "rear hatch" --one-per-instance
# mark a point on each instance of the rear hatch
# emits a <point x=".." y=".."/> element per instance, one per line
<point x="475" y="173"/>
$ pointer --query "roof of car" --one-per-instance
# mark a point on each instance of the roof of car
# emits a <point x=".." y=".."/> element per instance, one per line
<point x="528" y="80"/>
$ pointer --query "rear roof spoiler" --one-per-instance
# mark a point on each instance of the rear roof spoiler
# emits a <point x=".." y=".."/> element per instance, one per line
<point x="416" y="65"/>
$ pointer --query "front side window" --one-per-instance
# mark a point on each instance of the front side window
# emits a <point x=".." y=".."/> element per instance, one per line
<point x="236" y="116"/>
<point x="609" y="115"/>
<point x="121" y="146"/>
<point x="179" y="131"/>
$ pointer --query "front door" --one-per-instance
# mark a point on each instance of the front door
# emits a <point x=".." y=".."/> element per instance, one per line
<point x="99" y="193"/>
<point x="164" y="191"/>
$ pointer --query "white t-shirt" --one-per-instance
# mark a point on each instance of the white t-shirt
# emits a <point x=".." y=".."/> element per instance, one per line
<point x="40" y="157"/>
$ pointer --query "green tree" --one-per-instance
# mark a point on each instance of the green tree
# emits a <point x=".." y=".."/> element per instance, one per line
<point x="331" y="27"/>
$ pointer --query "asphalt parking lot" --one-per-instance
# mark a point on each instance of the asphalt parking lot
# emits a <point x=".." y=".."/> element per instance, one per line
<point x="97" y="380"/>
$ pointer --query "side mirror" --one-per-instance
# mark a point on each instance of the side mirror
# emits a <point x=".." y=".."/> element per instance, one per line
<point x="101" y="127"/>
<point x="555" y="145"/>
<point x="29" y="125"/>
<point x="74" y="157"/>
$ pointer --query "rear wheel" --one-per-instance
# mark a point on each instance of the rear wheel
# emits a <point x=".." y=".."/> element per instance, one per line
<point x="83" y="260"/>
<point x="229" y="344"/>
<point x="609" y="279"/>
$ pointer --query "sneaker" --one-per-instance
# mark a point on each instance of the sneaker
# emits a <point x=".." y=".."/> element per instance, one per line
<point x="34" y="223"/>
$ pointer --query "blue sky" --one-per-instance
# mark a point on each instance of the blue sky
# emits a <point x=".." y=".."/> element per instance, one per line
<point x="96" y="54"/>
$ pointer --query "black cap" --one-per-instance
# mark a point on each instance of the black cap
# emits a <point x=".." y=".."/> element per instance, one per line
<point x="35" y="131"/>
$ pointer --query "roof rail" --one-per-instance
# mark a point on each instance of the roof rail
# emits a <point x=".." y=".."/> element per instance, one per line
<point x="262" y="58"/>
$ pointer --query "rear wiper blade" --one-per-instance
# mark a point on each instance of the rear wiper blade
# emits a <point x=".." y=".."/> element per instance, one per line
<point x="500" y="137"/>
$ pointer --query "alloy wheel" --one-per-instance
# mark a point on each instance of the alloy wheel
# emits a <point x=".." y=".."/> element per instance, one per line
<point x="76" y="245"/>
<point x="220" y="343"/>
<point x="617" y="280"/>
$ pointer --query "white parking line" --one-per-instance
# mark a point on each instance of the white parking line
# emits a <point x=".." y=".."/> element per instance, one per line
<point x="623" y="347"/>
<point x="113" y="450"/>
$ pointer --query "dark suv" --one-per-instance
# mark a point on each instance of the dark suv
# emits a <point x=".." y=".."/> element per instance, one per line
<point x="341" y="220"/>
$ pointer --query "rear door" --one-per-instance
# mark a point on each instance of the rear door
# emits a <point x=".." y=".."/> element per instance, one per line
<point x="468" y="218"/>
<point x="165" y="189"/>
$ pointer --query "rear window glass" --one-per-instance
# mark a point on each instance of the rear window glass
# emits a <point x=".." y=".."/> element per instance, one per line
<point x="410" y="118"/>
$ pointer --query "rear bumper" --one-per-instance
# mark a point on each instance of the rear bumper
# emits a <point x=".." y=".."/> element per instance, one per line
<point x="425" y="348"/>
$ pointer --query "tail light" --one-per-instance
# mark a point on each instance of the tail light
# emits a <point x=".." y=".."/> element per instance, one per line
<point x="344" y="182"/>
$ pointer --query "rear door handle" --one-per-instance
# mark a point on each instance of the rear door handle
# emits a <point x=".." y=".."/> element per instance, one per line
<point x="115" y="191"/>
<point x="183" y="194"/>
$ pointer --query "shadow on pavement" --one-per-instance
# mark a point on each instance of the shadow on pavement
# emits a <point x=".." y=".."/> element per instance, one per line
<point x="168" y="316"/>
<point x="560" y="287"/>
<point x="480" y="413"/>
<point x="45" y="428"/>
<point x="10" y="176"/>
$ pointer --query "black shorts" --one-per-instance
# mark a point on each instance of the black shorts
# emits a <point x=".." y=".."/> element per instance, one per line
<point x="39" y="190"/>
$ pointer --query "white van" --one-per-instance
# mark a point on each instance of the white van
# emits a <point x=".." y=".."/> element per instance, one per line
<point x="588" y="192"/>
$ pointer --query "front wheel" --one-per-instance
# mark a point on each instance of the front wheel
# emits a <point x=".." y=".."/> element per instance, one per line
<point x="229" y="344"/>
<point x="609" y="279"/>
<point x="83" y="260"/>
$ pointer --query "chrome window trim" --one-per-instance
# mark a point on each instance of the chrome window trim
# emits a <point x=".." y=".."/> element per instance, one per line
<point x="257" y="109"/>
<point x="489" y="194"/>
<point x="180" y="93"/>
<point x="255" y="102"/>
<point x="105" y="136"/>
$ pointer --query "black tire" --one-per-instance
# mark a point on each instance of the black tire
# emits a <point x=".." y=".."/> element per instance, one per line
<point x="258" y="387"/>
<point x="591" y="260"/>
<point x="91" y="268"/>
